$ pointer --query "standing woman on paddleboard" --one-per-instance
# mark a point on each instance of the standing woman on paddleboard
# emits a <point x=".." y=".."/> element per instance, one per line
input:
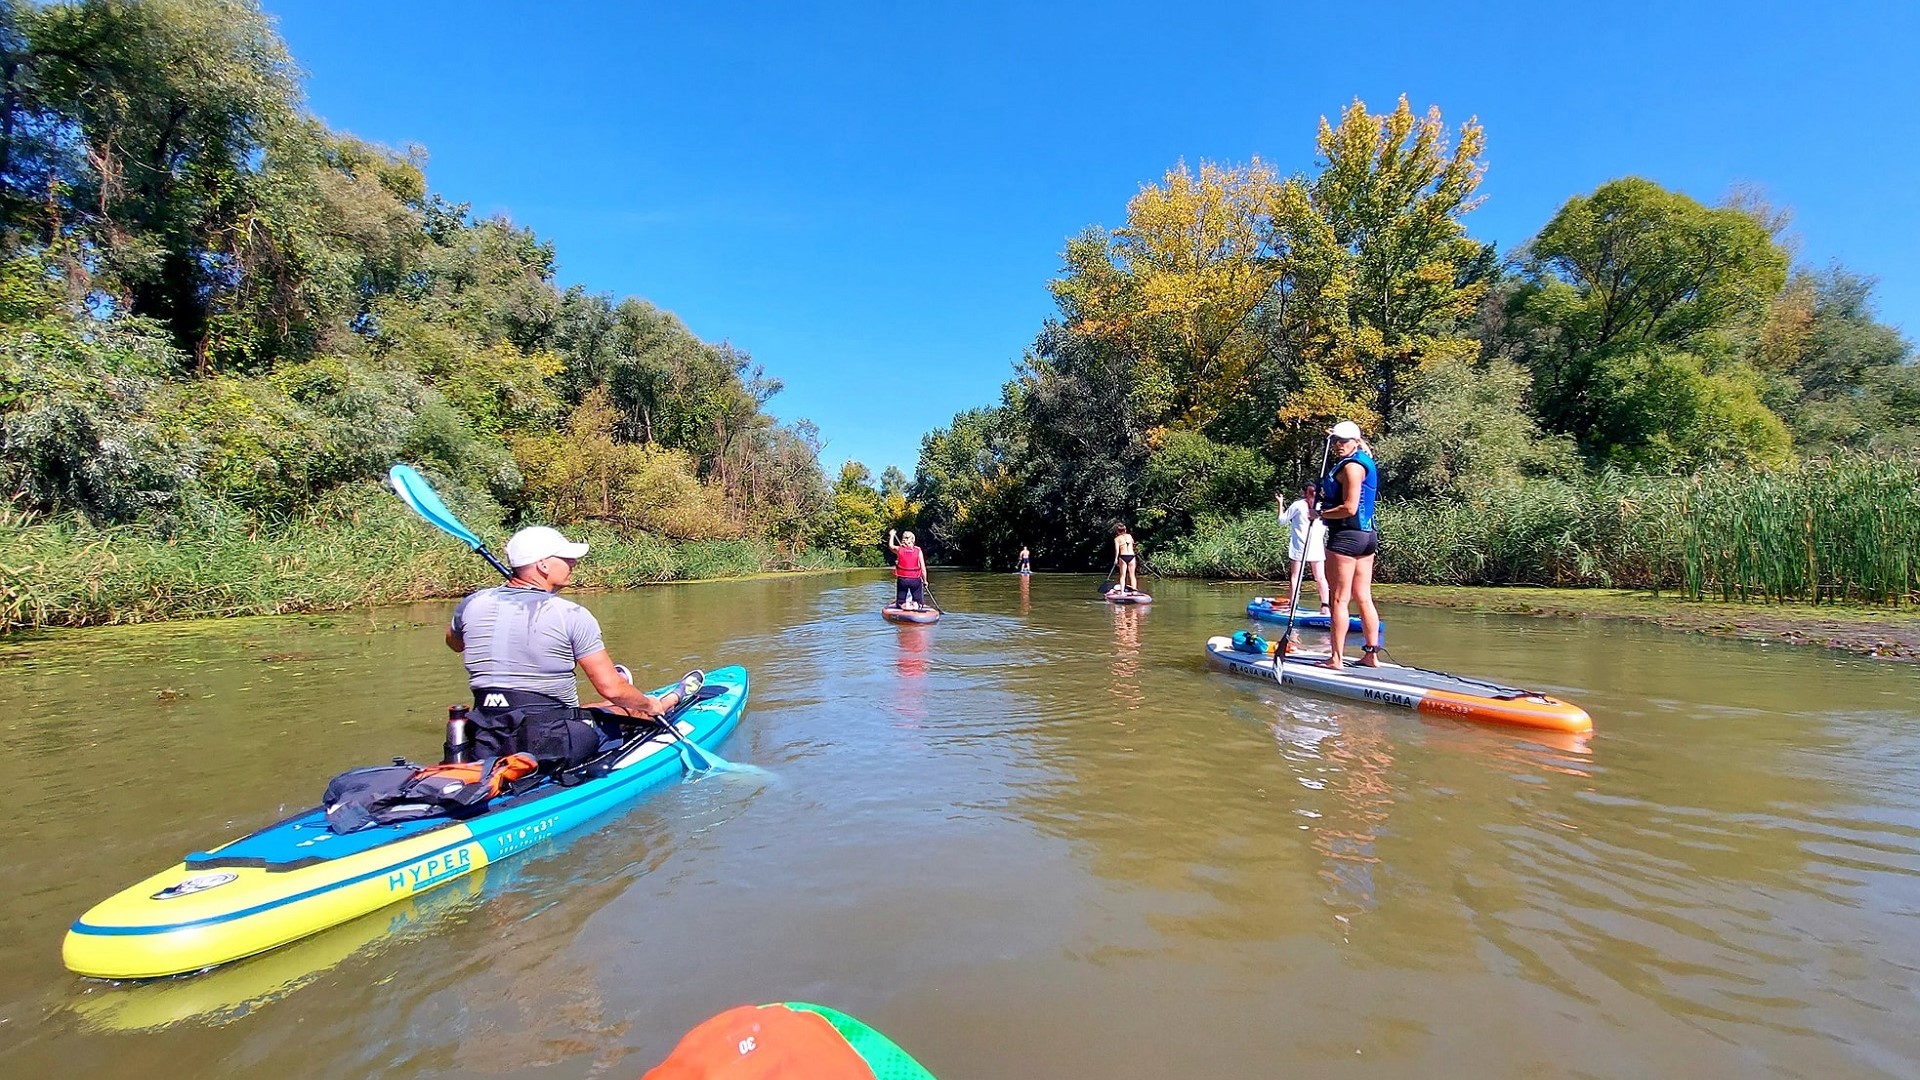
<point x="909" y="572"/>
<point x="1123" y="557"/>
<point x="1346" y="505"/>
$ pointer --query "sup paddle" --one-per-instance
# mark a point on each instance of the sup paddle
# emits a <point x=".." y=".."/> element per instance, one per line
<point x="419" y="496"/>
<point x="1293" y="579"/>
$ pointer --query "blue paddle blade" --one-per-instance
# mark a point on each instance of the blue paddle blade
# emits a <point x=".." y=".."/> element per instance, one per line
<point x="415" y="492"/>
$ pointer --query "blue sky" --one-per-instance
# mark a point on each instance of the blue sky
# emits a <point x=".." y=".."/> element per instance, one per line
<point x="871" y="199"/>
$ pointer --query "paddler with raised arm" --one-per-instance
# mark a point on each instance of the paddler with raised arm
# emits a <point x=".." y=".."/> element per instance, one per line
<point x="909" y="572"/>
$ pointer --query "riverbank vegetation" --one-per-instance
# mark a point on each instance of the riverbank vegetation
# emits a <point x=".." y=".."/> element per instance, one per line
<point x="220" y="321"/>
<point x="1650" y="393"/>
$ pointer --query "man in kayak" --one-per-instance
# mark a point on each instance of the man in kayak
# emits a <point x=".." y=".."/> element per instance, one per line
<point x="1346" y="505"/>
<point x="521" y="642"/>
<point x="909" y="572"/>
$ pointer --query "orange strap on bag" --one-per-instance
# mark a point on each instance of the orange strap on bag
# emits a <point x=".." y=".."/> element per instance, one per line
<point x="505" y="771"/>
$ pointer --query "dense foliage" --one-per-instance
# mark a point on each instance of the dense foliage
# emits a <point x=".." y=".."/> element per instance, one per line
<point x="1558" y="397"/>
<point x="214" y="308"/>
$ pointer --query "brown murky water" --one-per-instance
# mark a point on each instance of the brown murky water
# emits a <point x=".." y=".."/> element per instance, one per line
<point x="1040" y="839"/>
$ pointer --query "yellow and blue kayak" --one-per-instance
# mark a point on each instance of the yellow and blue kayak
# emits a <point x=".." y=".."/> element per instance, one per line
<point x="297" y="877"/>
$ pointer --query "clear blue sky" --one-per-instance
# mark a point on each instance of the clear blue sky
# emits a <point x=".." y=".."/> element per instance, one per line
<point x="871" y="199"/>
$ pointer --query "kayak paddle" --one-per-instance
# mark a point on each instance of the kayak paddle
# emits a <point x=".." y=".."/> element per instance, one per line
<point x="414" y="490"/>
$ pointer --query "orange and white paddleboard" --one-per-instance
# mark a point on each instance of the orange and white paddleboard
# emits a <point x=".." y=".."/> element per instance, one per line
<point x="1434" y="692"/>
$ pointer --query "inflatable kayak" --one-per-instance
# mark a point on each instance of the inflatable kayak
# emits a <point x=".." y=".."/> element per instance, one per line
<point x="1418" y="689"/>
<point x="1134" y="597"/>
<point x="792" y="1039"/>
<point x="895" y="613"/>
<point x="1264" y="609"/>
<point x="297" y="877"/>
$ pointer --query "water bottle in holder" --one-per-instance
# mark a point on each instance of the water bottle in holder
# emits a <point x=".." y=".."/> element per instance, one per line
<point x="459" y="745"/>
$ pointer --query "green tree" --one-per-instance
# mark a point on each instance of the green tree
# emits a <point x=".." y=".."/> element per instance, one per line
<point x="857" y="524"/>
<point x="1466" y="427"/>
<point x="1639" y="286"/>
<point x="173" y="104"/>
<point x="1852" y="377"/>
<point x="1188" y="474"/>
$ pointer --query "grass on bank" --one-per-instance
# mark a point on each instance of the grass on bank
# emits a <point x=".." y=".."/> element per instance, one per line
<point x="358" y="546"/>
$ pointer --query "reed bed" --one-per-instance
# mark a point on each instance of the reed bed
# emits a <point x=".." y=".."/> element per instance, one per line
<point x="356" y="547"/>
<point x="1841" y="529"/>
<point x="1831" y="530"/>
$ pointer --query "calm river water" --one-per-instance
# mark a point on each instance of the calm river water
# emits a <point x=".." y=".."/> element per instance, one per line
<point x="1040" y="839"/>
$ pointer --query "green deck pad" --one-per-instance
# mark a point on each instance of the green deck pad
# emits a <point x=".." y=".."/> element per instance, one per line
<point x="887" y="1061"/>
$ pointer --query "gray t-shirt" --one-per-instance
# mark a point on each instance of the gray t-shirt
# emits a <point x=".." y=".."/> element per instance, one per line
<point x="525" y="639"/>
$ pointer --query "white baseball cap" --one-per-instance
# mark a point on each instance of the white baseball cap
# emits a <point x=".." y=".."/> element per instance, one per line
<point x="1345" y="429"/>
<point x="530" y="545"/>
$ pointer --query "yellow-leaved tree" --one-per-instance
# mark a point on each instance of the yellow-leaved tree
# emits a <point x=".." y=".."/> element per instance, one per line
<point x="1381" y="278"/>
<point x="586" y="474"/>
<point x="1177" y="287"/>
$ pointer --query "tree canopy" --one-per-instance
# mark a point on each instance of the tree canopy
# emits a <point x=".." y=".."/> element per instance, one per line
<point x="1201" y="349"/>
<point x="207" y="297"/>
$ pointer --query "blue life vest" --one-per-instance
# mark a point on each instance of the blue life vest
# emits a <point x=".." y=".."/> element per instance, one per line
<point x="1331" y="495"/>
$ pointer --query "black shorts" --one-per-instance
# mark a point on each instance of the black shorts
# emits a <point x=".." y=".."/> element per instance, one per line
<point x="906" y="587"/>
<point x="1355" y="543"/>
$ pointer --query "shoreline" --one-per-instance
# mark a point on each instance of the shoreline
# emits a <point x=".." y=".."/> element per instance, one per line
<point x="1871" y="632"/>
<point x="11" y="639"/>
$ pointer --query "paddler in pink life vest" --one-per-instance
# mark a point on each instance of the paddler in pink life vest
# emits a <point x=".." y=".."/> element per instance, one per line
<point x="909" y="572"/>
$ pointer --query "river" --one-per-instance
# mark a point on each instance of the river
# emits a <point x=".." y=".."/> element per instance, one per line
<point x="1040" y="839"/>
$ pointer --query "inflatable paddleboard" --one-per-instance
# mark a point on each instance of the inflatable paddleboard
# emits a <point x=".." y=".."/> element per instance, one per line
<point x="1267" y="610"/>
<point x="1434" y="692"/>
<point x="789" y="1041"/>
<point x="1135" y="597"/>
<point x="297" y="877"/>
<point x="895" y="613"/>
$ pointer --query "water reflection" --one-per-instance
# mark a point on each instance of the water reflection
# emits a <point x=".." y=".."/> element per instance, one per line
<point x="1125" y="682"/>
<point x="910" y="660"/>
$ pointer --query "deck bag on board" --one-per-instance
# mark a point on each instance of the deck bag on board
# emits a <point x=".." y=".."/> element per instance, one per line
<point x="1248" y="642"/>
<point x="361" y="798"/>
